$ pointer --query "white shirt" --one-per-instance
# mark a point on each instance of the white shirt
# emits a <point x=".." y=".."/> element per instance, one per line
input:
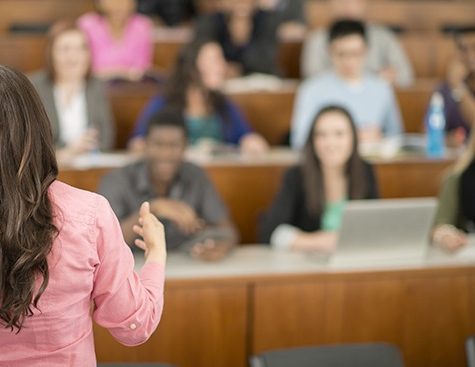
<point x="72" y="116"/>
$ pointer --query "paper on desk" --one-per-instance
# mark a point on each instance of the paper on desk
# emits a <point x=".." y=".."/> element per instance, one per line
<point x="98" y="160"/>
<point x="258" y="82"/>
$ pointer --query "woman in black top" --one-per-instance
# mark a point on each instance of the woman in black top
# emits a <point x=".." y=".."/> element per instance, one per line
<point x="306" y="213"/>
<point x="247" y="35"/>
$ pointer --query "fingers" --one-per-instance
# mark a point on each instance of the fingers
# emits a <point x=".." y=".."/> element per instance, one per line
<point x="140" y="244"/>
<point x="138" y="230"/>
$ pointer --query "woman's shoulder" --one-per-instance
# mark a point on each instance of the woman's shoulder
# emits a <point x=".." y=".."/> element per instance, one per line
<point x="90" y="20"/>
<point x="75" y="204"/>
<point x="40" y="78"/>
<point x="139" y="22"/>
<point x="293" y="176"/>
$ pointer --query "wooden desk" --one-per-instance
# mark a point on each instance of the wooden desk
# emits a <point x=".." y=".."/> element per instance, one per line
<point x="248" y="185"/>
<point x="258" y="299"/>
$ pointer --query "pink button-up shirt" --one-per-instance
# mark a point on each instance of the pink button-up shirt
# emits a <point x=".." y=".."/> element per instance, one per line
<point x="89" y="263"/>
<point x="133" y="51"/>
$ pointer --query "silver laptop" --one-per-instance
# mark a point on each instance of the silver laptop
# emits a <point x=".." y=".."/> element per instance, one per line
<point x="389" y="229"/>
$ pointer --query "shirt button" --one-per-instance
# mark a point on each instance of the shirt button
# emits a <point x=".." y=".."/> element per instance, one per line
<point x="133" y="326"/>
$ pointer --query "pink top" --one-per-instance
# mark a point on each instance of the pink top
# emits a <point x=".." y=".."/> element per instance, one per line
<point x="91" y="268"/>
<point x="134" y="51"/>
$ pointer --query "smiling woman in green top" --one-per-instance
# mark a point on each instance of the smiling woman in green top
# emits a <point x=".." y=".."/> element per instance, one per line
<point x="306" y="214"/>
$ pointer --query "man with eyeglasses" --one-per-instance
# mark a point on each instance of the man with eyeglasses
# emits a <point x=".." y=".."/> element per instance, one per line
<point x="368" y="97"/>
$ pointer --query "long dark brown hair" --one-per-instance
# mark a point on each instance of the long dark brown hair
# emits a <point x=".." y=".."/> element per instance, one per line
<point x="311" y="167"/>
<point x="186" y="74"/>
<point x="27" y="169"/>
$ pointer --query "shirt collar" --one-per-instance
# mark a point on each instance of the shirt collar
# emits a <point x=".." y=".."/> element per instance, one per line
<point x="144" y="181"/>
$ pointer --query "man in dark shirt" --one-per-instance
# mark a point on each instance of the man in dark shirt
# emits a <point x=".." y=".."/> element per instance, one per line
<point x="458" y="90"/>
<point x="180" y="193"/>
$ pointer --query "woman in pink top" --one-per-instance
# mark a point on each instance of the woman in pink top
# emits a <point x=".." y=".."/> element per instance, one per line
<point x="121" y="41"/>
<point x="63" y="259"/>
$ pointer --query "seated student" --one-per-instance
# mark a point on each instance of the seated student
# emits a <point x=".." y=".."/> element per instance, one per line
<point x="306" y="214"/>
<point x="121" y="41"/>
<point x="456" y="210"/>
<point x="291" y="14"/>
<point x="180" y="193"/>
<point x="169" y="12"/>
<point x="195" y="90"/>
<point x="386" y="56"/>
<point x="369" y="98"/>
<point x="458" y="90"/>
<point x="247" y="34"/>
<point x="76" y="102"/>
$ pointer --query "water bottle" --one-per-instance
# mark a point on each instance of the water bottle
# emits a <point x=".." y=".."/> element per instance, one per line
<point x="435" y="127"/>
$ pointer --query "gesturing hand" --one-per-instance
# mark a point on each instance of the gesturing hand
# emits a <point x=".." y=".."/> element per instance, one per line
<point x="152" y="233"/>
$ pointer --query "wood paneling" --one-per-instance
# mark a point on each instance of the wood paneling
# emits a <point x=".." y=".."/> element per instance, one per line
<point x="421" y="16"/>
<point x="411" y="178"/>
<point x="412" y="311"/>
<point x="427" y="311"/>
<point x="202" y="326"/>
<point x="40" y="11"/>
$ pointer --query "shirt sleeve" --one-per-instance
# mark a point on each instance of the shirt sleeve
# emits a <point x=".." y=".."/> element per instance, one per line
<point x="392" y="124"/>
<point x="448" y="208"/>
<point x="282" y="210"/>
<point x="397" y="59"/>
<point x="155" y="105"/>
<point x="113" y="187"/>
<point x="105" y="120"/>
<point x="143" y="44"/>
<point x="372" y="182"/>
<point x="128" y="304"/>
<point x="305" y="106"/>
<point x="212" y="208"/>
<point x="467" y="193"/>
<point x="239" y="125"/>
<point x="314" y="54"/>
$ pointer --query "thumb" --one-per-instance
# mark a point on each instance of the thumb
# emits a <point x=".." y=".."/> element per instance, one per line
<point x="144" y="209"/>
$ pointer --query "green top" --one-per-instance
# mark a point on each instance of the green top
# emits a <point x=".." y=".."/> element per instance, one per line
<point x="448" y="208"/>
<point x="332" y="216"/>
<point x="208" y="127"/>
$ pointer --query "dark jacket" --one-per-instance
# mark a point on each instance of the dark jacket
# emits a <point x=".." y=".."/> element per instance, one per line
<point x="290" y="205"/>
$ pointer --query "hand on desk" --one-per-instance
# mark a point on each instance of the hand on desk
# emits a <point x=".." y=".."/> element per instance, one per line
<point x="210" y="250"/>
<point x="449" y="238"/>
<point x="178" y="212"/>
<point x="320" y="241"/>
<point x="253" y="144"/>
<point x="153" y="235"/>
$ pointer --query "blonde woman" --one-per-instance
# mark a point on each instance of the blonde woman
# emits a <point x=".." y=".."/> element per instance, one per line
<point x="456" y="210"/>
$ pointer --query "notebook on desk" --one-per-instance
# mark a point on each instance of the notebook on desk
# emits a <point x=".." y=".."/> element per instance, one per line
<point x="385" y="230"/>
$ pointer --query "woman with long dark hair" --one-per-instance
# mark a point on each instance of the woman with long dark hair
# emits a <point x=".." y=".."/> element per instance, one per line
<point x="63" y="259"/>
<point x="306" y="213"/>
<point x="194" y="90"/>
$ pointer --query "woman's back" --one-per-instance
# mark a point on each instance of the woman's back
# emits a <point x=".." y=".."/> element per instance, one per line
<point x="89" y="262"/>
